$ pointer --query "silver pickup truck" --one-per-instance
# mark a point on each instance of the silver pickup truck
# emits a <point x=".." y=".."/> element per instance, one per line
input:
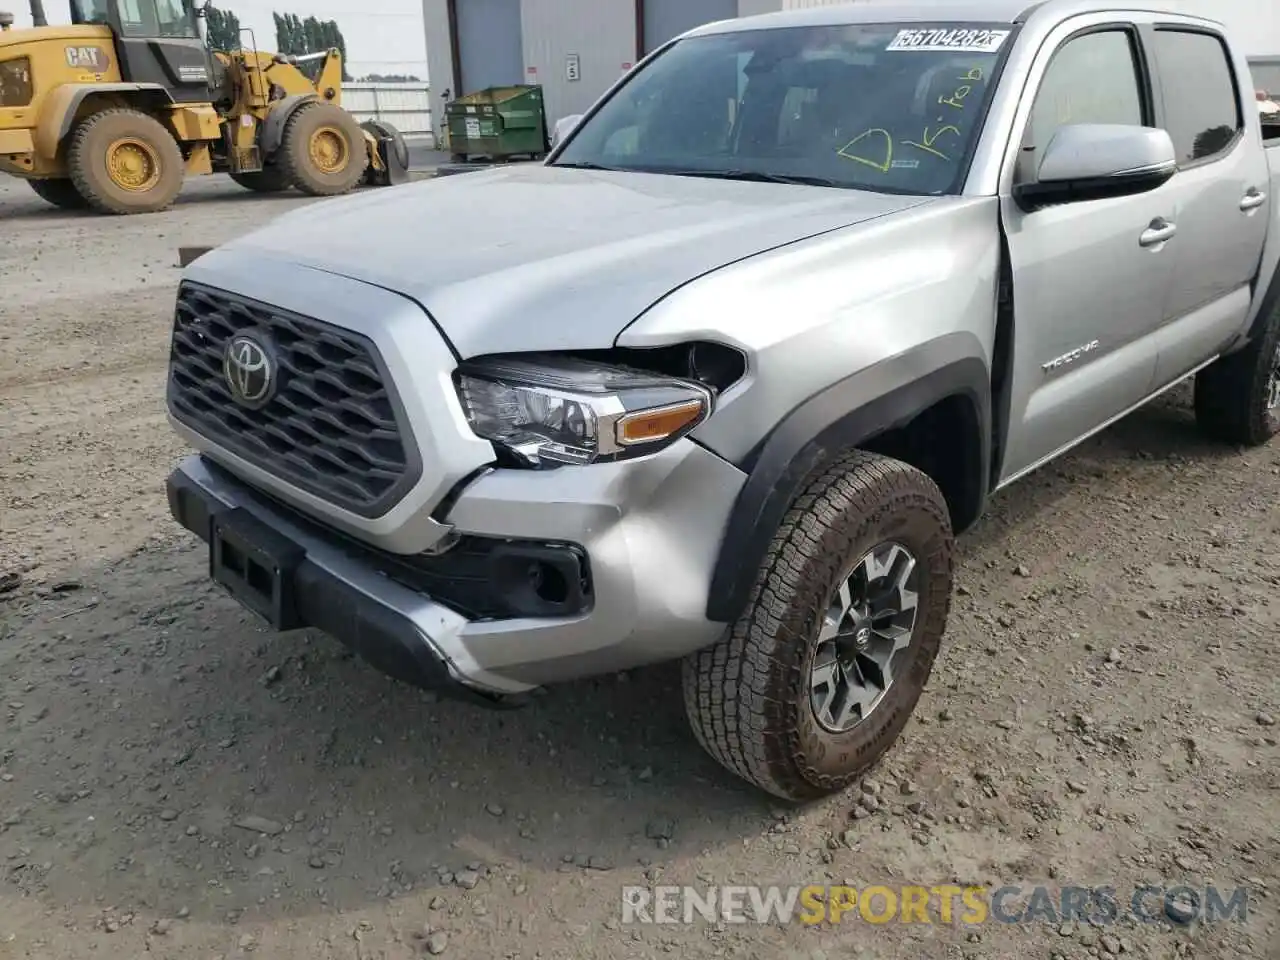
<point x="724" y="377"/>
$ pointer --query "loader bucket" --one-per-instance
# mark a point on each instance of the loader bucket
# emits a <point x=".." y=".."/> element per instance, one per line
<point x="393" y="155"/>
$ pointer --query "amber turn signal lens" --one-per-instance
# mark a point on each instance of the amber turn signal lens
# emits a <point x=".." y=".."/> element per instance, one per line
<point x="646" y="426"/>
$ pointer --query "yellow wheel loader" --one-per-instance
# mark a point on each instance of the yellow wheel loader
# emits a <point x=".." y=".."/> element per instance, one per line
<point x="113" y="111"/>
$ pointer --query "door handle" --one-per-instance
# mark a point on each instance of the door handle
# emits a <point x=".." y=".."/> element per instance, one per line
<point x="1159" y="231"/>
<point x="1253" y="199"/>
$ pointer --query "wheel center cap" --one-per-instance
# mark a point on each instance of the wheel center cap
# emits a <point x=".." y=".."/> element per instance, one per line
<point x="862" y="636"/>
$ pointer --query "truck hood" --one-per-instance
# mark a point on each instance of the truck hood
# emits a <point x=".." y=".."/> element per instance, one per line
<point x="546" y="258"/>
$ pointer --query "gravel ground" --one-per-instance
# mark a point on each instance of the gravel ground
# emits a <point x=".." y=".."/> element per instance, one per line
<point x="174" y="782"/>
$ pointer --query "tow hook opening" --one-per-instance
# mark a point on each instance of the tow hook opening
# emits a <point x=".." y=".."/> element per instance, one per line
<point x="541" y="580"/>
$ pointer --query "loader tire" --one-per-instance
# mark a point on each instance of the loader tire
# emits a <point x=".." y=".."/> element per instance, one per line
<point x="323" y="152"/>
<point x="1237" y="398"/>
<point x="125" y="162"/>
<point x="60" y="193"/>
<point x="266" y="180"/>
<point x="818" y="677"/>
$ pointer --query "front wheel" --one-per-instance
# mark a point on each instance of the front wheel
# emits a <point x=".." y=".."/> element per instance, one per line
<point x="123" y="162"/>
<point x="323" y="153"/>
<point x="816" y="680"/>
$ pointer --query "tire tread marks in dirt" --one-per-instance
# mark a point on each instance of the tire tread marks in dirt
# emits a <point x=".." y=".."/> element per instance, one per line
<point x="747" y="695"/>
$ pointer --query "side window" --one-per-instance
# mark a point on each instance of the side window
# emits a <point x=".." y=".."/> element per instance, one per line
<point x="1093" y="78"/>
<point x="1200" y="97"/>
<point x="15" y="82"/>
<point x="131" y="16"/>
<point x="173" y="21"/>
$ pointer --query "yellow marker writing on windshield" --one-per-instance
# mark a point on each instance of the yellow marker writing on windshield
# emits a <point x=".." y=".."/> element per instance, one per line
<point x="928" y="139"/>
<point x="957" y="99"/>
<point x="881" y="165"/>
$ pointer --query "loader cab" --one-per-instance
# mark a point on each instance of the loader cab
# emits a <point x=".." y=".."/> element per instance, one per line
<point x="157" y="41"/>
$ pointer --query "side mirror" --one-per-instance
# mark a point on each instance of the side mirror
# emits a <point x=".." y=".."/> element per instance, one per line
<point x="1093" y="161"/>
<point x="564" y="126"/>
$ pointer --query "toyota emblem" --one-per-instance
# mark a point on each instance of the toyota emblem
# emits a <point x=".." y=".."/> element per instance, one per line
<point x="249" y="370"/>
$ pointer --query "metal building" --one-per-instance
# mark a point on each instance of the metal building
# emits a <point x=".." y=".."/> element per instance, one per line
<point x="575" y="48"/>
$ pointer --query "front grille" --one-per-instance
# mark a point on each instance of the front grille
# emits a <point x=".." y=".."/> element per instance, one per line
<point x="333" y="427"/>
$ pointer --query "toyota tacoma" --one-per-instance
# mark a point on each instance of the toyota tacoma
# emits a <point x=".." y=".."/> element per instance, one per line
<point x="723" y="378"/>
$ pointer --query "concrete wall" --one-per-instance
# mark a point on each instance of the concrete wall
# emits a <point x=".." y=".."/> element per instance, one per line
<point x="435" y="16"/>
<point x="601" y="34"/>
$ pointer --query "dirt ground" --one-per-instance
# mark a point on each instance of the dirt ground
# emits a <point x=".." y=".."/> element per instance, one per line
<point x="1103" y="714"/>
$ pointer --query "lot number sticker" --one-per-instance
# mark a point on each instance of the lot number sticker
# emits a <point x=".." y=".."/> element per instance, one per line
<point x="955" y="41"/>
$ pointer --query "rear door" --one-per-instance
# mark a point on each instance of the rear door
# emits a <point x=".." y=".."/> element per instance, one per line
<point x="1221" y="190"/>
<point x="1088" y="283"/>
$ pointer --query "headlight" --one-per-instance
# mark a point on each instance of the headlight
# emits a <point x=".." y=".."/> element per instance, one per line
<point x="546" y="411"/>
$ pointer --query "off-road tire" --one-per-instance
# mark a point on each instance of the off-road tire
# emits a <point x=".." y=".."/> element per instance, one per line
<point x="1231" y="394"/>
<point x="748" y="697"/>
<point x="87" y="160"/>
<point x="266" y="180"/>
<point x="60" y="193"/>
<point x="294" y="157"/>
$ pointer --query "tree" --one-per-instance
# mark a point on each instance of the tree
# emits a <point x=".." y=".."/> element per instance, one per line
<point x="390" y="78"/>
<point x="297" y="37"/>
<point x="224" y="30"/>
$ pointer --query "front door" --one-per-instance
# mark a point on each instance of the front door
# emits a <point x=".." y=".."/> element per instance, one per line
<point x="1089" y="283"/>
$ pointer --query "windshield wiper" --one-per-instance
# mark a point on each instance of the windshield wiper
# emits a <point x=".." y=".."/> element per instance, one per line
<point x="584" y="165"/>
<point x="755" y="176"/>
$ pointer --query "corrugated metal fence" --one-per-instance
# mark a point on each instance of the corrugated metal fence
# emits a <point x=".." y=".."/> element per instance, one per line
<point x="406" y="106"/>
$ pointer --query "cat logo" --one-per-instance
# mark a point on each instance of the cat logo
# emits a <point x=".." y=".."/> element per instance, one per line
<point x="93" y="59"/>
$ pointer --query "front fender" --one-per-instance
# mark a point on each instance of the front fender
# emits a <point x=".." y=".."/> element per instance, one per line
<point x="846" y="335"/>
<point x="838" y="419"/>
<point x="59" y="111"/>
<point x="273" y="127"/>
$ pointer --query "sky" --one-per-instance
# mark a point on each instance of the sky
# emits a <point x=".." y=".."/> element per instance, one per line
<point x="385" y="38"/>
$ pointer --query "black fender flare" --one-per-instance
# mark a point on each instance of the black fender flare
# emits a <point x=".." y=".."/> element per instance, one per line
<point x="68" y="99"/>
<point x="1270" y="303"/>
<point x="273" y="127"/>
<point x="824" y="426"/>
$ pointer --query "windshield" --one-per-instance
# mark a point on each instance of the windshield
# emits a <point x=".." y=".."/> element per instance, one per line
<point x="141" y="18"/>
<point x="868" y="106"/>
<point x="89" y="11"/>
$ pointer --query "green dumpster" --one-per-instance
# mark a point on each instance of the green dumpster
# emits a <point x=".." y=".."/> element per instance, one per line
<point x="498" y="122"/>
